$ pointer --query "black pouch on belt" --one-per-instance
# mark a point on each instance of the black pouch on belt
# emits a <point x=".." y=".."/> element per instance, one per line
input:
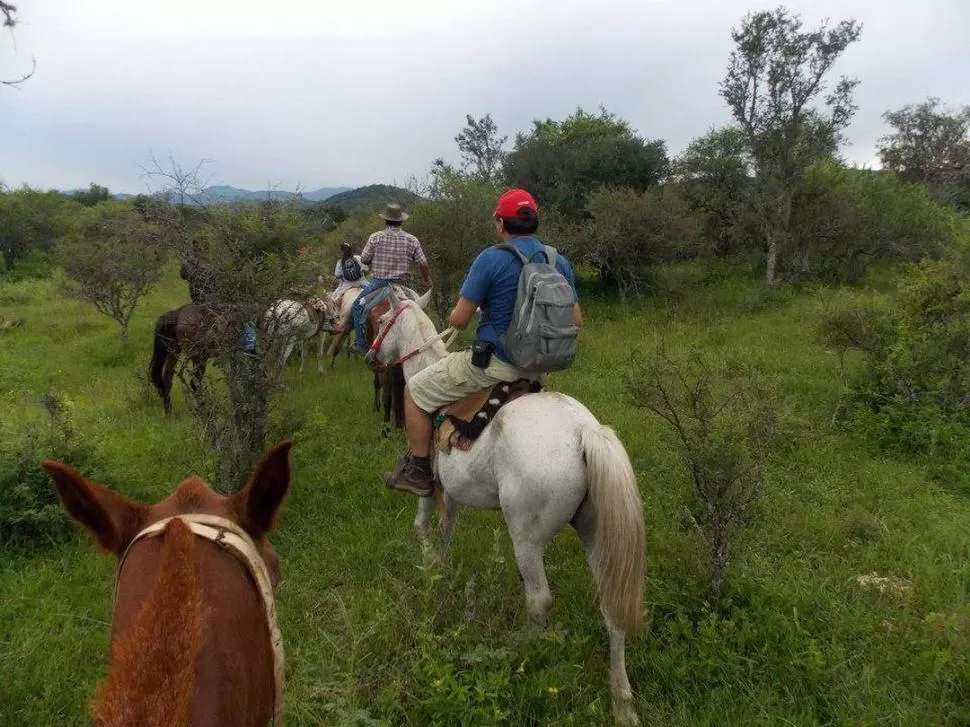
<point x="482" y="353"/>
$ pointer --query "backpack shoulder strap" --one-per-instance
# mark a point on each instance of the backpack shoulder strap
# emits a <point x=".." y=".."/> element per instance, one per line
<point x="551" y="254"/>
<point x="512" y="249"/>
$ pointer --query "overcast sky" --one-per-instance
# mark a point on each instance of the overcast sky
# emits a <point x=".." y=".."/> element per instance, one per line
<point x="349" y="92"/>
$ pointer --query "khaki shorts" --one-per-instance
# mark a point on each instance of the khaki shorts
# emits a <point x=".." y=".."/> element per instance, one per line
<point x="454" y="377"/>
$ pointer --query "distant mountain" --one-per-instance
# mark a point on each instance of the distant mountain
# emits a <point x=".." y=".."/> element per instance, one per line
<point x="224" y="193"/>
<point x="373" y="196"/>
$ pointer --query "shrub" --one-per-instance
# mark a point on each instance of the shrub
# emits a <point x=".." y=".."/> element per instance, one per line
<point x="725" y="423"/>
<point x="845" y="219"/>
<point x="629" y="231"/>
<point x="30" y="513"/>
<point x="913" y="395"/>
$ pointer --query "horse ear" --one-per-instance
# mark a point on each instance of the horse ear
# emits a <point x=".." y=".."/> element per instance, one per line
<point x="258" y="503"/>
<point x="113" y="519"/>
<point x="392" y="297"/>
<point x="425" y="299"/>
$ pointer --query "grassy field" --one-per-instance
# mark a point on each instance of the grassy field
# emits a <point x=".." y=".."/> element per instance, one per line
<point x="374" y="637"/>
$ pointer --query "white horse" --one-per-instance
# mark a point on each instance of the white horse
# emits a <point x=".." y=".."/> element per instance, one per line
<point x="290" y="322"/>
<point x="544" y="461"/>
<point x="344" y="316"/>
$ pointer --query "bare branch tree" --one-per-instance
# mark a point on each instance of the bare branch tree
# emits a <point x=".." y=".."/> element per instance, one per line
<point x="725" y="426"/>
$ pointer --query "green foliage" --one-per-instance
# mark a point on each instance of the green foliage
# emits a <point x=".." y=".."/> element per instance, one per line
<point x="30" y="513"/>
<point x="627" y="233"/>
<point x="454" y="225"/>
<point x="481" y="148"/>
<point x="930" y="144"/>
<point x="368" y="629"/>
<point x="112" y="258"/>
<point x="725" y="422"/>
<point x="714" y="176"/>
<point x="563" y="162"/>
<point x="775" y="76"/>
<point x="914" y="393"/>
<point x="843" y="220"/>
<point x="94" y="195"/>
<point x="31" y="221"/>
<point x="244" y="258"/>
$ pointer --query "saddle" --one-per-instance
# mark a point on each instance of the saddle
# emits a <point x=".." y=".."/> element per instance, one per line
<point x="458" y="425"/>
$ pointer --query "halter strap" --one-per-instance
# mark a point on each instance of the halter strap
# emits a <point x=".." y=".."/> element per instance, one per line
<point x="379" y="340"/>
<point x="227" y="534"/>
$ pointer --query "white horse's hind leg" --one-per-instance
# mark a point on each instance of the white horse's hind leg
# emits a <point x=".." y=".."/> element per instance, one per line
<point x="302" y="355"/>
<point x="622" y="695"/>
<point x="538" y="597"/>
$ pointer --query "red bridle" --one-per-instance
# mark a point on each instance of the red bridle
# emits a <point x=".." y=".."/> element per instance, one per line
<point x="375" y="347"/>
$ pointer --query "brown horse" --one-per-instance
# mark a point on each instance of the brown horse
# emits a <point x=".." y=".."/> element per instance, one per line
<point x="193" y="638"/>
<point x="188" y="329"/>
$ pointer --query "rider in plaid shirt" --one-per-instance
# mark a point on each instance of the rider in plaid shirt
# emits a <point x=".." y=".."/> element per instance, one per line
<point x="389" y="253"/>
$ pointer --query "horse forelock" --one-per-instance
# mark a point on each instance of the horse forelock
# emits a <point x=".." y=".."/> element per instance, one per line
<point x="151" y="676"/>
<point x="194" y="495"/>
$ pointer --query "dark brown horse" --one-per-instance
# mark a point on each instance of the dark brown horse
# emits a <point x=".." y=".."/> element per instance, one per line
<point x="188" y="329"/>
<point x="193" y="638"/>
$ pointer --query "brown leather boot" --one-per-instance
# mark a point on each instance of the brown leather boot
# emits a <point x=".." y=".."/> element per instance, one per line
<point x="411" y="478"/>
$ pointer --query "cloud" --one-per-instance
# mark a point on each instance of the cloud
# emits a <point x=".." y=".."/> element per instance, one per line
<point x="322" y="94"/>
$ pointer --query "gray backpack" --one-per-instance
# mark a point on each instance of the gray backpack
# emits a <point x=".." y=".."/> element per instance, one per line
<point x="542" y="334"/>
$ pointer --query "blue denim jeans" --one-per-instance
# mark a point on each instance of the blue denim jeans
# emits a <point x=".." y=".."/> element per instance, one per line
<point x="360" y="323"/>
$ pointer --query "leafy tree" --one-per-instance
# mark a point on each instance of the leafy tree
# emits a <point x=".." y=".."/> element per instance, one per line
<point x="247" y="257"/>
<point x="562" y="162"/>
<point x="629" y="231"/>
<point x="454" y="225"/>
<point x="112" y="260"/>
<point x="843" y="219"/>
<point x="931" y="144"/>
<point x="714" y="174"/>
<point x="775" y="76"/>
<point x="481" y="147"/>
<point x="94" y="194"/>
<point x="30" y="220"/>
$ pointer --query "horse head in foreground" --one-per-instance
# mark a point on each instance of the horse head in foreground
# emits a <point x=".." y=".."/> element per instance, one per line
<point x="545" y="462"/>
<point x="193" y="638"/>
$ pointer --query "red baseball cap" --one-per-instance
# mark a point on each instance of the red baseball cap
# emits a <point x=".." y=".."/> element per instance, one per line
<point x="513" y="202"/>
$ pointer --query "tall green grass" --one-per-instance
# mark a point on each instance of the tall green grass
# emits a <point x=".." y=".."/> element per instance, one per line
<point x="373" y="636"/>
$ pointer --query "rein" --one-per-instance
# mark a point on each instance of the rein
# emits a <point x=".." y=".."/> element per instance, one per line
<point x="449" y="332"/>
<point x="228" y="535"/>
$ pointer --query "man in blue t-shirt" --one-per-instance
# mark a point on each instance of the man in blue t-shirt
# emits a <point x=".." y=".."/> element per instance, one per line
<point x="491" y="285"/>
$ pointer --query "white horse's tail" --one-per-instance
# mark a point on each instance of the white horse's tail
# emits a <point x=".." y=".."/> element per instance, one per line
<point x="619" y="542"/>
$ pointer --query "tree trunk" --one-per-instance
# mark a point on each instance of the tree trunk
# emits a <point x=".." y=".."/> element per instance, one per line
<point x="771" y="262"/>
<point x="777" y="237"/>
<point x="125" y="334"/>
